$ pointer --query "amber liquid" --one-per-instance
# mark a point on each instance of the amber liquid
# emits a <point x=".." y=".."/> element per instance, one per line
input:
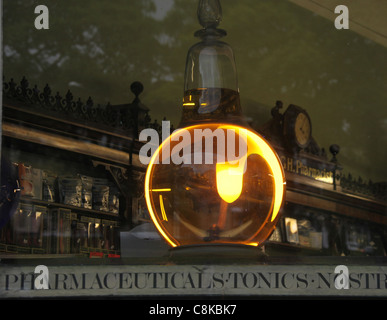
<point x="210" y="104"/>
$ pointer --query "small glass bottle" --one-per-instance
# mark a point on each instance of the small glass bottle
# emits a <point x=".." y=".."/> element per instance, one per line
<point x="211" y="90"/>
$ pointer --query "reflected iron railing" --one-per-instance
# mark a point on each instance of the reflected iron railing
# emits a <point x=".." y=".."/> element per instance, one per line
<point x="131" y="118"/>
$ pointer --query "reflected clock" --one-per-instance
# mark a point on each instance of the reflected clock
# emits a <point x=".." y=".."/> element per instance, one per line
<point x="297" y="127"/>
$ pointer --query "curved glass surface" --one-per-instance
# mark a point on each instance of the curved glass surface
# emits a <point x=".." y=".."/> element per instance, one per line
<point x="214" y="183"/>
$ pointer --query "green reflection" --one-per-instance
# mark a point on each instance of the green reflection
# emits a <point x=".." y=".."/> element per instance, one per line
<point x="283" y="52"/>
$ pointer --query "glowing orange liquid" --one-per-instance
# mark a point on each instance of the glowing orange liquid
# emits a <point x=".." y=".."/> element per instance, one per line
<point x="186" y="201"/>
<point x="212" y="104"/>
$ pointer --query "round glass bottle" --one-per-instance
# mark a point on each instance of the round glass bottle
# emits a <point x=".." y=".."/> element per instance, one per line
<point x="214" y="180"/>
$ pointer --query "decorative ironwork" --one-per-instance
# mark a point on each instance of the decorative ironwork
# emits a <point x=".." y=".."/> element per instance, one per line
<point x="134" y="116"/>
<point x="125" y="117"/>
<point x="273" y="131"/>
<point x="361" y="187"/>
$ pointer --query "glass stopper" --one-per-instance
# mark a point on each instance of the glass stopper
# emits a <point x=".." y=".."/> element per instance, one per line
<point x="209" y="13"/>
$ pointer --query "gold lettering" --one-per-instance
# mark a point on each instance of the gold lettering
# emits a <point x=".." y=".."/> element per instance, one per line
<point x="299" y="166"/>
<point x="290" y="165"/>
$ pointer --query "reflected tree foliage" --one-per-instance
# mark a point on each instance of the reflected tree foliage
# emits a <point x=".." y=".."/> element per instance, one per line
<point x="283" y="52"/>
<point x="96" y="46"/>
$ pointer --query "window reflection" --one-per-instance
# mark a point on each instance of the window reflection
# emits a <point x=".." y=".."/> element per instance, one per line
<point x="72" y="182"/>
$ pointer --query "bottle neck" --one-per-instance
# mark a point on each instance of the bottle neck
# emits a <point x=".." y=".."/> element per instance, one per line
<point x="204" y="105"/>
<point x="210" y="64"/>
<point x="210" y="88"/>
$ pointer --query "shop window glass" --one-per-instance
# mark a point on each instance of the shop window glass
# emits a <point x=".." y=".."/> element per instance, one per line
<point x="77" y="95"/>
